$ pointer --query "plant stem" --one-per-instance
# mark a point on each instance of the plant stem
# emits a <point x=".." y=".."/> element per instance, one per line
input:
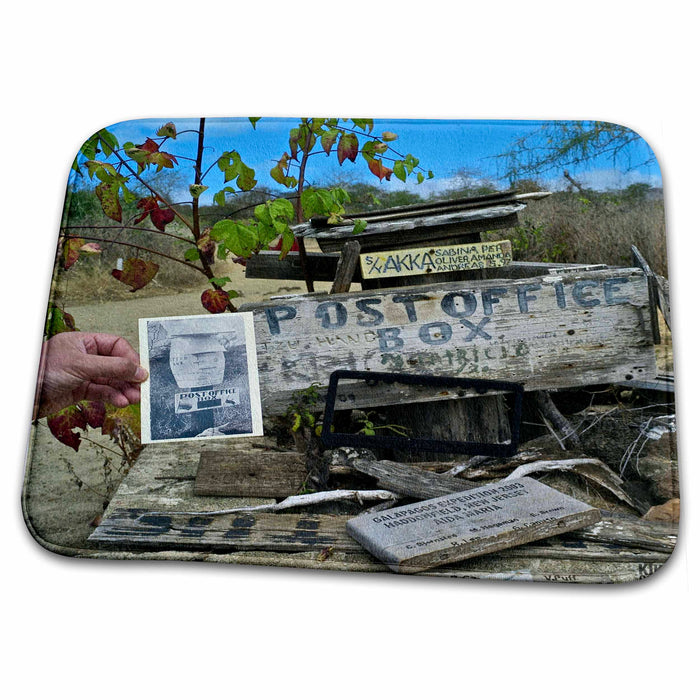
<point x="300" y="213"/>
<point x="153" y="192"/>
<point x="148" y="250"/>
<point x="131" y="228"/>
<point x="195" y="212"/>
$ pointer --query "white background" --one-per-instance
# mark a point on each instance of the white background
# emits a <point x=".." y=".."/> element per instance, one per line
<point x="106" y="629"/>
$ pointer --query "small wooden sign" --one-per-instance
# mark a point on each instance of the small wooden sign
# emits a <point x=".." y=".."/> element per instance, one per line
<point x="556" y="331"/>
<point x="424" y="261"/>
<point x="202" y="400"/>
<point x="462" y="525"/>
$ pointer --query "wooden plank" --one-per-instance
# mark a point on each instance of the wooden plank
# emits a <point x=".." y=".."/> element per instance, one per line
<point x="664" y="294"/>
<point x="435" y="259"/>
<point x="267" y="265"/>
<point x="347" y="266"/>
<point x="653" y="293"/>
<point x="223" y="472"/>
<point x="413" y="210"/>
<point x="550" y="332"/>
<point x="502" y="567"/>
<point x="135" y="529"/>
<point x="450" y="227"/>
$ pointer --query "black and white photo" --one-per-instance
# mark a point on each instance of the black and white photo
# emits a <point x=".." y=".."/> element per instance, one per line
<point x="203" y="378"/>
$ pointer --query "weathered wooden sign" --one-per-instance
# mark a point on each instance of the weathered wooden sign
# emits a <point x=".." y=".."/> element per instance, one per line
<point x="423" y="261"/>
<point x="556" y="331"/>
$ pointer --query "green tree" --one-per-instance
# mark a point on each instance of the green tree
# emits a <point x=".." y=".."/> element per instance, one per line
<point x="128" y="178"/>
<point x="557" y="144"/>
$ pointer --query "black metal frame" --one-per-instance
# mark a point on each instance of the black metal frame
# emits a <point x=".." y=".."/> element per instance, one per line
<point x="481" y="386"/>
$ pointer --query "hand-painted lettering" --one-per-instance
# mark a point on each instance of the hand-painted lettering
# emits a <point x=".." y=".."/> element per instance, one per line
<point x="583" y="298"/>
<point x="276" y="314"/>
<point x="524" y="297"/>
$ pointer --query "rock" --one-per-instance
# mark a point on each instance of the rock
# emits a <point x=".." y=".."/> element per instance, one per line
<point x="658" y="466"/>
<point x="668" y="512"/>
<point x="345" y="456"/>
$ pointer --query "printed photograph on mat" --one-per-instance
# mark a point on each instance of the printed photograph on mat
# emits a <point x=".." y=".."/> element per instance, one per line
<point x="203" y="378"/>
<point x="412" y="346"/>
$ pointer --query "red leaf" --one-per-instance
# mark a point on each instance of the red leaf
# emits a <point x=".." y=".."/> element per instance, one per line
<point x="147" y="204"/>
<point x="94" y="412"/>
<point x="61" y="424"/>
<point x="71" y="252"/>
<point x="348" y="146"/>
<point x="149" y="145"/>
<point x="214" y="300"/>
<point x="162" y="217"/>
<point x="379" y="170"/>
<point x="159" y="217"/>
<point x="137" y="273"/>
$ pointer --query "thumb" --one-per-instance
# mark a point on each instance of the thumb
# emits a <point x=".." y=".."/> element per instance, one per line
<point x="93" y="367"/>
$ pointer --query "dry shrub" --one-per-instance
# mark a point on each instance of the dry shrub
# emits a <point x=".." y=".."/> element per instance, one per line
<point x="592" y="228"/>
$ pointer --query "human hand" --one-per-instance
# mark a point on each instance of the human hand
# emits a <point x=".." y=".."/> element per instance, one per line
<point x="89" y="366"/>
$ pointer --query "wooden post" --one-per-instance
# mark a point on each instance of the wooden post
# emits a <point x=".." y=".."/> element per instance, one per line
<point x="482" y="419"/>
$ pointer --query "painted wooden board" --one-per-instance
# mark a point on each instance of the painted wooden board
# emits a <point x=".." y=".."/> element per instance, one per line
<point x="435" y="259"/>
<point x="138" y="529"/>
<point x="556" y="331"/>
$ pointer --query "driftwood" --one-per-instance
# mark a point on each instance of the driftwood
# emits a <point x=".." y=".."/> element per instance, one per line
<point x="407" y="480"/>
<point x="551" y="414"/>
<point x="587" y="467"/>
<point x="300" y="501"/>
<point x="411" y="480"/>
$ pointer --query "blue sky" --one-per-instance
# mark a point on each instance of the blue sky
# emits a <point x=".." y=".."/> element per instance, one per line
<point x="447" y="147"/>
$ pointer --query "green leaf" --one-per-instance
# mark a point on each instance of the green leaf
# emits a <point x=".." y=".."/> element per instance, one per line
<point x="191" y="254"/>
<point x="196" y="190"/>
<point x="246" y="178"/>
<point x="220" y="196"/>
<point x="108" y="194"/>
<point x="400" y="170"/>
<point x="238" y="238"/>
<point x="328" y="140"/>
<point x="410" y="162"/>
<point x="108" y="142"/>
<point x="253" y="120"/>
<point x="219" y="281"/>
<point x="59" y="321"/>
<point x="420" y="177"/>
<point x="360" y="226"/>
